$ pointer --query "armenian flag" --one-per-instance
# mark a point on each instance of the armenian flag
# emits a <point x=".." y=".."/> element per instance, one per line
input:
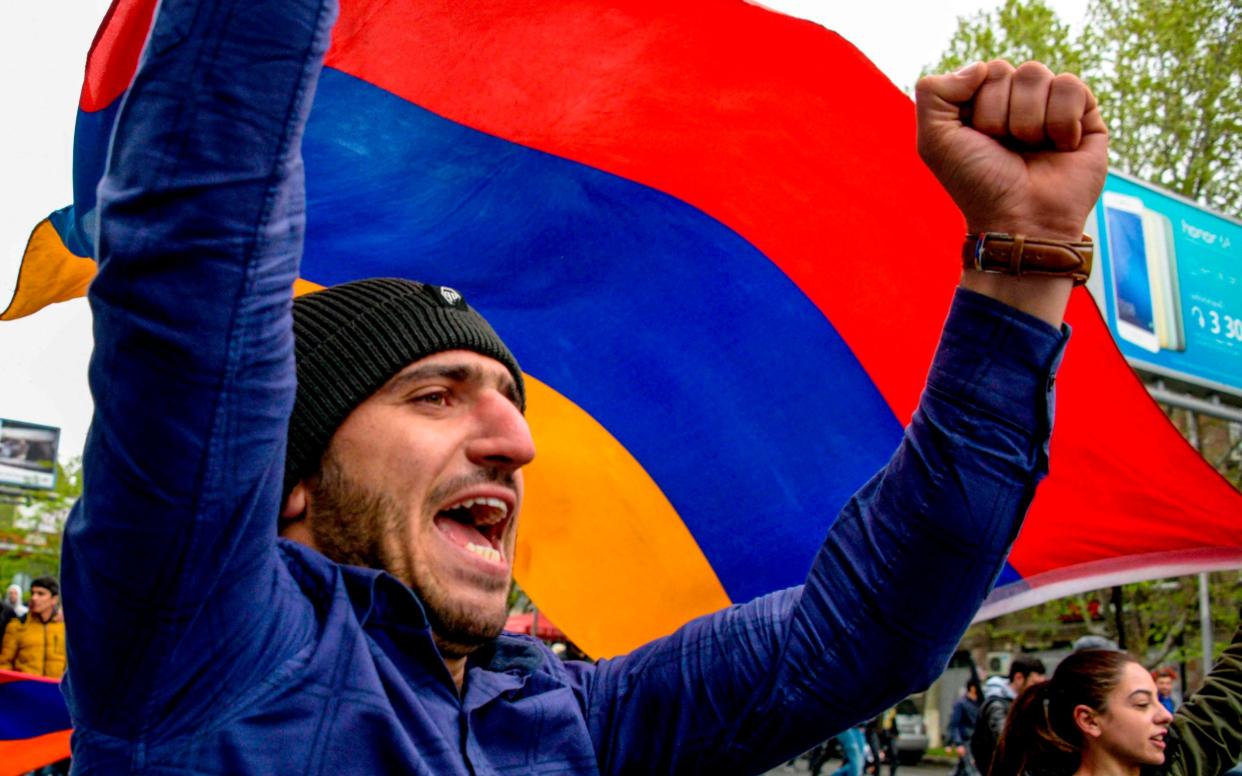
<point x="704" y="231"/>
<point x="34" y="723"/>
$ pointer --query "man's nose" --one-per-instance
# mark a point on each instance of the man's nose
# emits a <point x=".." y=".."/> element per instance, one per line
<point x="503" y="438"/>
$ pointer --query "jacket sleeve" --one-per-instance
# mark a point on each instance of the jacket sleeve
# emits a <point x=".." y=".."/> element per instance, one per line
<point x="1208" y="726"/>
<point x="902" y="571"/>
<point x="170" y="570"/>
<point x="8" y="649"/>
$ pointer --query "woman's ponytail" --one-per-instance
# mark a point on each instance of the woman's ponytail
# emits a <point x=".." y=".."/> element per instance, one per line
<point x="1030" y="740"/>
<point x="1040" y="735"/>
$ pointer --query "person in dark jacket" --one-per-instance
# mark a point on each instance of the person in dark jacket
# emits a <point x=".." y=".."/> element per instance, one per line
<point x="1099" y="714"/>
<point x="962" y="722"/>
<point x="382" y="422"/>
<point x="998" y="696"/>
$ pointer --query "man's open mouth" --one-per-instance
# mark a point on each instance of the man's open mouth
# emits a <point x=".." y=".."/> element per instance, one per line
<point x="476" y="524"/>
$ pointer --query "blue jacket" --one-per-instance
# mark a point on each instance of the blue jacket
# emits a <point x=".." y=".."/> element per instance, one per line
<point x="962" y="720"/>
<point x="199" y="642"/>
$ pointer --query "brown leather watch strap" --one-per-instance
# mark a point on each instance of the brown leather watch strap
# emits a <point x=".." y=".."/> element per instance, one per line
<point x="1016" y="254"/>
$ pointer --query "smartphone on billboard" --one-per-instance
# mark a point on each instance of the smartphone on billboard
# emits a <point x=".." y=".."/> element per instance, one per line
<point x="1133" y="309"/>
<point x="1165" y="289"/>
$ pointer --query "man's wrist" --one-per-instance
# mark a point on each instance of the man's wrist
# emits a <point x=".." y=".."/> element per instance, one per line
<point x="1037" y="295"/>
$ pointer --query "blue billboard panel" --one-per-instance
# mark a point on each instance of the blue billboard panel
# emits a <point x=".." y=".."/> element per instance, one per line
<point x="1168" y="279"/>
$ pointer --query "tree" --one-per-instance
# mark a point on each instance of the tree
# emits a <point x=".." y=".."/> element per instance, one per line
<point x="1018" y="31"/>
<point x="1166" y="73"/>
<point x="1160" y="620"/>
<point x="1169" y="78"/>
<point x="30" y="532"/>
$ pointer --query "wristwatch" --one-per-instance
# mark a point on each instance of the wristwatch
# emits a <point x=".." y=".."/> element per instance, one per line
<point x="1017" y="254"/>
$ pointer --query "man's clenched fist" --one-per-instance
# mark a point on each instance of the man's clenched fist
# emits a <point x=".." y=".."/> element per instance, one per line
<point x="1019" y="150"/>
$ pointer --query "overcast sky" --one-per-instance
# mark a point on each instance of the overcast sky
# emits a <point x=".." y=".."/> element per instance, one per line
<point x="43" y="47"/>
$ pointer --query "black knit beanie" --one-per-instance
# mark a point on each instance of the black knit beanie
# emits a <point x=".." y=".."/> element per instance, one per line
<point x="350" y="339"/>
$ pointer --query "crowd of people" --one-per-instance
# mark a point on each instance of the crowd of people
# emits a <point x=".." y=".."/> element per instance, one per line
<point x="869" y="748"/>
<point x="1100" y="712"/>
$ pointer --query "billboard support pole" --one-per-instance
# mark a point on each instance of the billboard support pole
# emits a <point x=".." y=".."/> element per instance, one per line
<point x="1205" y="603"/>
<point x="1205" y="623"/>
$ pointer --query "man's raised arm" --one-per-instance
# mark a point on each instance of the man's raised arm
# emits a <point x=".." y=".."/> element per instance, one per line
<point x="913" y="554"/>
<point x="169" y="561"/>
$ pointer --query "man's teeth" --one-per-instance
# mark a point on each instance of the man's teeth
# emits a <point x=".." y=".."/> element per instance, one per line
<point x="490" y="553"/>
<point x="496" y="509"/>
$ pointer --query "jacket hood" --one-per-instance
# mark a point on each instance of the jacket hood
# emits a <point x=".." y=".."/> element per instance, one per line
<point x="998" y="687"/>
<point x="18" y="607"/>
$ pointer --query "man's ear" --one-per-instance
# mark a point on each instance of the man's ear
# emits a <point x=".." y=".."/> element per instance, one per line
<point x="293" y="523"/>
<point x="1085" y="719"/>
<point x="295" y="504"/>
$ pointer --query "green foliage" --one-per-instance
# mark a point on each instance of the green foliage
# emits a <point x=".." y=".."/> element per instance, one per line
<point x="1160" y="620"/>
<point x="1166" y="73"/>
<point x="30" y="529"/>
<point x="1169" y="83"/>
<point x="1018" y="31"/>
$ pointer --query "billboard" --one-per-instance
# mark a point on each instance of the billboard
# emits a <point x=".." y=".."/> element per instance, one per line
<point x="1168" y="281"/>
<point x="28" y="454"/>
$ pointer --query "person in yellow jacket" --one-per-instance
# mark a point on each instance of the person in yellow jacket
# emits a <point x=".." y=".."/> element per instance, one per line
<point x="35" y="644"/>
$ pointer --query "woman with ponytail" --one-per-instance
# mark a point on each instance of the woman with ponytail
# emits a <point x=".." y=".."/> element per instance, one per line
<point x="1099" y="716"/>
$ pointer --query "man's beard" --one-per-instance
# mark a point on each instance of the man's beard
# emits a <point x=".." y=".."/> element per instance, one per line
<point x="349" y="527"/>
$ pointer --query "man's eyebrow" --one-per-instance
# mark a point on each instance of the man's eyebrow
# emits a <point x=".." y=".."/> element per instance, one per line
<point x="455" y="372"/>
<point x="458" y="373"/>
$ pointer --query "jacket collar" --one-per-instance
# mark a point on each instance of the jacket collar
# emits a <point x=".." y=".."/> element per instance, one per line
<point x="381" y="602"/>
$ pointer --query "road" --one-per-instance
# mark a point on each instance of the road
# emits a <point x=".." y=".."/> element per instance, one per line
<point x="925" y="769"/>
